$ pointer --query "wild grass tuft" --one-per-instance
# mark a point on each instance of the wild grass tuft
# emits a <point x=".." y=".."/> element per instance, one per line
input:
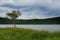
<point x="27" y="34"/>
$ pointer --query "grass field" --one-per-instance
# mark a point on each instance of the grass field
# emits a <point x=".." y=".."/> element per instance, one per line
<point x="27" y="34"/>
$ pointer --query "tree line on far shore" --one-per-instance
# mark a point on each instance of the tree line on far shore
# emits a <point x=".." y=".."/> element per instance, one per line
<point x="55" y="20"/>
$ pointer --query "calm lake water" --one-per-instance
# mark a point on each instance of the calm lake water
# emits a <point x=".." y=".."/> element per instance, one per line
<point x="35" y="27"/>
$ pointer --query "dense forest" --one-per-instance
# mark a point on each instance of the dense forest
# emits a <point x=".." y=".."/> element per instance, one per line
<point x="55" y="20"/>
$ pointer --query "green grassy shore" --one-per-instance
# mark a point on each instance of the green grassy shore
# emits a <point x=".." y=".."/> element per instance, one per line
<point x="27" y="34"/>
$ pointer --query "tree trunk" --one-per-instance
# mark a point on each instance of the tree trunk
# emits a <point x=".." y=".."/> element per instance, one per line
<point x="14" y="23"/>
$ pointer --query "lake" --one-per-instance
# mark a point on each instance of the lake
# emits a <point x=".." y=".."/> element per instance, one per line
<point x="35" y="27"/>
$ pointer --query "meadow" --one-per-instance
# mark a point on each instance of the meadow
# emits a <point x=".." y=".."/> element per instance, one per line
<point x="27" y="34"/>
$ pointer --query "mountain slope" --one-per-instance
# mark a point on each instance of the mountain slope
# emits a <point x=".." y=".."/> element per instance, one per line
<point x="55" y="20"/>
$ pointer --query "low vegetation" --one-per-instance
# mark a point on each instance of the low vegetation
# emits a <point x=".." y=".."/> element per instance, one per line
<point x="55" y="20"/>
<point x="27" y="34"/>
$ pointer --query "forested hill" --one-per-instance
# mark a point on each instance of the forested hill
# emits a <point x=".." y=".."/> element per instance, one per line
<point x="55" y="20"/>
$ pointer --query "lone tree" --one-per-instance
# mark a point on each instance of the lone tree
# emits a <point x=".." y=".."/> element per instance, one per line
<point x="13" y="16"/>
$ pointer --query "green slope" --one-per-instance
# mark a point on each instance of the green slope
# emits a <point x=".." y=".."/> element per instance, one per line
<point x="55" y="20"/>
<point x="27" y="34"/>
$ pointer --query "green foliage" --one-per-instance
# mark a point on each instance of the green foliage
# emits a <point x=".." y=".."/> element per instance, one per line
<point x="32" y="21"/>
<point x="27" y="34"/>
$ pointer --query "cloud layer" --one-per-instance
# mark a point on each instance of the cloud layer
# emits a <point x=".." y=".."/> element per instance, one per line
<point x="31" y="8"/>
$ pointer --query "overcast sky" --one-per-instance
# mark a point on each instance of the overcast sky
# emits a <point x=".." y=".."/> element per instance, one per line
<point x="31" y="8"/>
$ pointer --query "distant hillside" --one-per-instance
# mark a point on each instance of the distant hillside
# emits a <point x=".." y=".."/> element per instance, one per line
<point x="55" y="20"/>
